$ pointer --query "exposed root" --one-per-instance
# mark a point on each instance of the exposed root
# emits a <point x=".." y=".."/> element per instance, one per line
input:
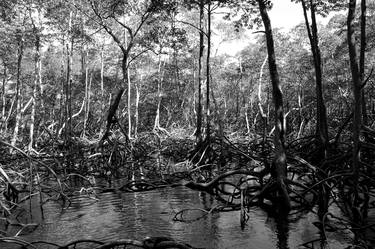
<point x="147" y="243"/>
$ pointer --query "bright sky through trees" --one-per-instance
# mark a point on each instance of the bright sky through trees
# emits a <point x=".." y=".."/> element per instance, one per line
<point x="284" y="15"/>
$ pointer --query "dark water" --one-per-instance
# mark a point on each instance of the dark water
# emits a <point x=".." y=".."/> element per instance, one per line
<point x="137" y="215"/>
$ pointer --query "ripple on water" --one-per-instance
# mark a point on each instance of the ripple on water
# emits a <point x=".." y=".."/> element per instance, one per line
<point x="119" y="215"/>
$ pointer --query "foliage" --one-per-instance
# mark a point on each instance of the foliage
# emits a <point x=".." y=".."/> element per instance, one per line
<point x="160" y="40"/>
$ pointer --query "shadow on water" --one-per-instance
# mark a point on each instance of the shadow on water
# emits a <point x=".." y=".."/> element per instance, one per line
<point x="282" y="231"/>
<point x="117" y="215"/>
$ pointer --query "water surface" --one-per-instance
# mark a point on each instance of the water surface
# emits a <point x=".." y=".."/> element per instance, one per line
<point x="117" y="215"/>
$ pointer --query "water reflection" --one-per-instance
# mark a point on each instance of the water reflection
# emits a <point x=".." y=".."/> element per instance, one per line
<point x="137" y="215"/>
<point x="282" y="231"/>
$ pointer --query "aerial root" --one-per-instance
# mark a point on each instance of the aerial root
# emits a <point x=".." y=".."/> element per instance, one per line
<point x="199" y="214"/>
<point x="147" y="243"/>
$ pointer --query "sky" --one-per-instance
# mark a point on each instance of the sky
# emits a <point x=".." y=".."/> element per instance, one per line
<point x="284" y="15"/>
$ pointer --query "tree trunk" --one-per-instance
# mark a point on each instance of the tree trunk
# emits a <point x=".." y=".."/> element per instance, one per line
<point x="278" y="170"/>
<point x="102" y="79"/>
<point x="3" y="100"/>
<point x="37" y="74"/>
<point x="18" y="89"/>
<point x="321" y="112"/>
<point x="61" y="112"/>
<point x="87" y="101"/>
<point x="9" y="113"/>
<point x="301" y="119"/>
<point x="198" y="132"/>
<point x="40" y="82"/>
<point x="208" y="73"/>
<point x="219" y="117"/>
<point x="111" y="115"/>
<point x="160" y="85"/>
<point x="362" y="60"/>
<point x="321" y="126"/>
<point x="261" y="111"/>
<point x="85" y="74"/>
<point x="126" y="78"/>
<point x="89" y="98"/>
<point x="68" y="82"/>
<point x="356" y="80"/>
<point x="129" y="34"/>
<point x="137" y="96"/>
<point x="358" y="203"/>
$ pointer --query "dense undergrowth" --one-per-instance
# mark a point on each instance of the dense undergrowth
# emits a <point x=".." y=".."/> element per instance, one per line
<point x="234" y="168"/>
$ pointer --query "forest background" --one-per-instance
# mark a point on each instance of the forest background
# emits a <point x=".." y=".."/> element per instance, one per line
<point x="154" y="77"/>
<point x="43" y="43"/>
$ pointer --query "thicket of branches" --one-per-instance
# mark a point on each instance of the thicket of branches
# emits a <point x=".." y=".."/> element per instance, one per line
<point x="142" y="89"/>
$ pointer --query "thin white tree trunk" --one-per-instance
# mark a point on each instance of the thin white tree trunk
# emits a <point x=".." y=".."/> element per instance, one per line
<point x="34" y="95"/>
<point x="102" y="78"/>
<point x="136" y="109"/>
<point x="129" y="104"/>
<point x="3" y="100"/>
<point x="68" y="107"/>
<point x="157" y="119"/>
<point x="18" y="91"/>
<point x="86" y="95"/>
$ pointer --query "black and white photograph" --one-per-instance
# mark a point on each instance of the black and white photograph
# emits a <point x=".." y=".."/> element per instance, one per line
<point x="187" y="124"/>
